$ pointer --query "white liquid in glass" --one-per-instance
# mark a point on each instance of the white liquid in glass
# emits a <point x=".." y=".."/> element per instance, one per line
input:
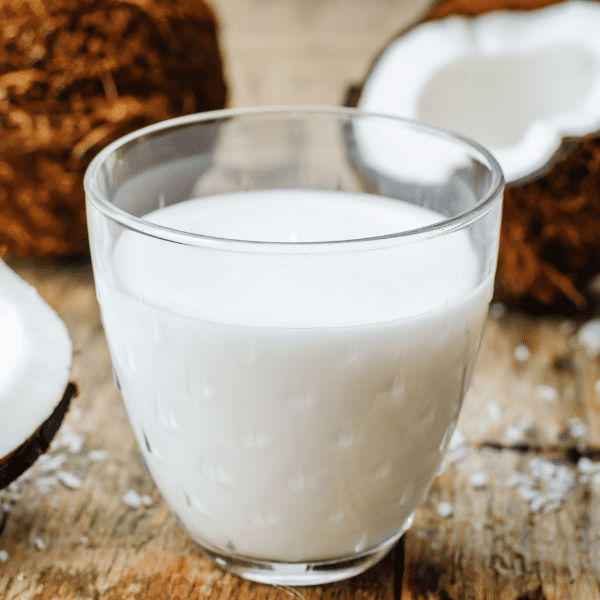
<point x="293" y="406"/>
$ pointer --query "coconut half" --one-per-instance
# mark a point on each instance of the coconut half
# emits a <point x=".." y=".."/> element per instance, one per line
<point x="518" y="82"/>
<point x="35" y="364"/>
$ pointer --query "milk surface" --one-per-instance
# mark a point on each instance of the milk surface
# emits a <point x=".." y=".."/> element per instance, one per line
<point x="293" y="404"/>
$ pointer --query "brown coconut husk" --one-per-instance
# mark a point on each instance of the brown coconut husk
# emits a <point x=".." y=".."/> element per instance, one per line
<point x="550" y="234"/>
<point x="76" y="75"/>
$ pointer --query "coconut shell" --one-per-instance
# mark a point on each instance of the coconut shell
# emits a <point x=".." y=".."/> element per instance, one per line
<point x="18" y="461"/>
<point x="550" y="233"/>
<point x="76" y="75"/>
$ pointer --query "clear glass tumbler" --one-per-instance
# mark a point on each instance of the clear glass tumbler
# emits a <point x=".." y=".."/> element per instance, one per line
<point x="293" y="300"/>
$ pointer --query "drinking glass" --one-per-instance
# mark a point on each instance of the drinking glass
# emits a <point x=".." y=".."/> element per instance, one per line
<point x="293" y="300"/>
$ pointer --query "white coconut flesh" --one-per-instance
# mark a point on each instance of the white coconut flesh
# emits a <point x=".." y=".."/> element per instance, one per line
<point x="35" y="360"/>
<point x="517" y="82"/>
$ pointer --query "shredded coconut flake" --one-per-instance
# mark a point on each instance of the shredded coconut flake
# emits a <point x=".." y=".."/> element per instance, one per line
<point x="585" y="465"/>
<point x="552" y="505"/>
<point x="577" y="428"/>
<point x="47" y="462"/>
<point x="457" y="448"/>
<point x="497" y="310"/>
<point x="528" y="492"/>
<point x="479" y="480"/>
<point x="3" y="555"/>
<point x="45" y="484"/>
<point x="522" y="353"/>
<point x="39" y="543"/>
<point x="494" y="410"/>
<point x="458" y="439"/>
<point x="132" y="499"/>
<point x="513" y="434"/>
<point x="97" y="455"/>
<point x="536" y="503"/>
<point x="445" y="509"/>
<point x="516" y="478"/>
<point x="562" y="482"/>
<point x="146" y="500"/>
<point x="69" y="480"/>
<point x="68" y="439"/>
<point x="547" y="393"/>
<point x="589" y="337"/>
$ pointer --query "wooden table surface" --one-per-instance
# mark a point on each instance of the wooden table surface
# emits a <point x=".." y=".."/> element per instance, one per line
<point x="515" y="515"/>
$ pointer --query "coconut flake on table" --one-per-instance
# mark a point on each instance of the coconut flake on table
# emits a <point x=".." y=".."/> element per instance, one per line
<point x="75" y="414"/>
<point x="497" y="310"/>
<point x="67" y="438"/>
<point x="577" y="428"/>
<point x="523" y="429"/>
<point x="517" y="478"/>
<point x="49" y="462"/>
<point x="69" y="480"/>
<point x="445" y="509"/>
<point x="457" y="448"/>
<point x="97" y="455"/>
<point x="522" y="353"/>
<point x="39" y="543"/>
<point x="132" y="499"/>
<point x="588" y="336"/>
<point x="479" y="480"/>
<point x="547" y="487"/>
<point x="494" y="410"/>
<point x="587" y="466"/>
<point x="547" y="393"/>
<point x="46" y="484"/>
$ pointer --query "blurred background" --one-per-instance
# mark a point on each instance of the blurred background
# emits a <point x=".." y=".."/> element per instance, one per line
<point x="310" y="52"/>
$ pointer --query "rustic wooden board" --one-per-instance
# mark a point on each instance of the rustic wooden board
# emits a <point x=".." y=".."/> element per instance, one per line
<point x="494" y="546"/>
<point x="86" y="543"/>
<point x="534" y="385"/>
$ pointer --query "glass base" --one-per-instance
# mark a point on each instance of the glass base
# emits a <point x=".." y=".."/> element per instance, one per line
<point x="300" y="573"/>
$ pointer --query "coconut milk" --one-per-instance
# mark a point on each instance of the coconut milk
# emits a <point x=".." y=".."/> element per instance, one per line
<point x="293" y="404"/>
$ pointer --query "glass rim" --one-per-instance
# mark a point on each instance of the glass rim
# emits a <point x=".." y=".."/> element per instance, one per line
<point x="145" y="227"/>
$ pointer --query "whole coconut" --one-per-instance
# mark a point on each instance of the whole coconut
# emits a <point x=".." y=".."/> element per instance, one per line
<point x="76" y="75"/>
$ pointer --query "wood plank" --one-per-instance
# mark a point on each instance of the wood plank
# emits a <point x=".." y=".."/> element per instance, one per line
<point x="494" y="546"/>
<point x="527" y="386"/>
<point x="93" y="545"/>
